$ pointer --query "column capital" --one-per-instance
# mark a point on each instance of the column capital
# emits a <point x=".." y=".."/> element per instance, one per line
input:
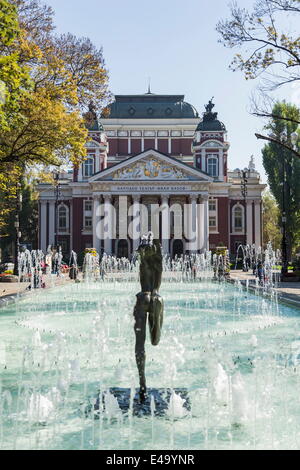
<point x="136" y="197"/>
<point x="257" y="202"/>
<point x="107" y="197"/>
<point x="165" y="197"/>
<point x="204" y="197"/>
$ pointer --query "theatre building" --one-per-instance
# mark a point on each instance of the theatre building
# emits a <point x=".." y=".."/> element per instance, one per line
<point x="152" y="159"/>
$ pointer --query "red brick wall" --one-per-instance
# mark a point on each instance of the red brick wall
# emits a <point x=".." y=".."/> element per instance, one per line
<point x="186" y="146"/>
<point x="113" y="147"/>
<point x="136" y="146"/>
<point x="223" y="224"/>
<point x="176" y="147"/>
<point x="163" y="145"/>
<point x="149" y="144"/>
<point x="123" y="147"/>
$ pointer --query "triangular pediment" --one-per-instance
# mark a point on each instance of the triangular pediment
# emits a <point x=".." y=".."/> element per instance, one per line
<point x="151" y="165"/>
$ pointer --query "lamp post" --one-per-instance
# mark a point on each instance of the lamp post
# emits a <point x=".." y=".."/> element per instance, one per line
<point x="56" y="175"/>
<point x="244" y="175"/>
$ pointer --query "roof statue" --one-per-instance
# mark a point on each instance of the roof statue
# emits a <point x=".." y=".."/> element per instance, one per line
<point x="208" y="115"/>
<point x="252" y="163"/>
<point x="210" y="106"/>
<point x="210" y="120"/>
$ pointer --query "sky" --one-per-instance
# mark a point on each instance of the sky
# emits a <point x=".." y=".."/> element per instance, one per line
<point x="176" y="44"/>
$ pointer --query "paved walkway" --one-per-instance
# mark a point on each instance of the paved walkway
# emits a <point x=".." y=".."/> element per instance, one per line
<point x="9" y="290"/>
<point x="287" y="291"/>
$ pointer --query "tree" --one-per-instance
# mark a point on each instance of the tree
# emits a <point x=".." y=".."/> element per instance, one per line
<point x="28" y="215"/>
<point x="270" y="52"/>
<point x="271" y="228"/>
<point x="13" y="76"/>
<point x="267" y="47"/>
<point x="48" y="81"/>
<point x="65" y="73"/>
<point x="278" y="161"/>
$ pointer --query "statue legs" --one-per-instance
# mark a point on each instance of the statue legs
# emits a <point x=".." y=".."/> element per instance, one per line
<point x="154" y="306"/>
<point x="156" y="313"/>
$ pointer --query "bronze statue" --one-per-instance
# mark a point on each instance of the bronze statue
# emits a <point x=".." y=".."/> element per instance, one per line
<point x="209" y="107"/>
<point x="148" y="302"/>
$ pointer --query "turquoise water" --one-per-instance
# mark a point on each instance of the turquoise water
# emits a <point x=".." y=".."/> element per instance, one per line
<point x="237" y="354"/>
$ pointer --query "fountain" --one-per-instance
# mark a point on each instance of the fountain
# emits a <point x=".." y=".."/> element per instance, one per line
<point x="233" y="353"/>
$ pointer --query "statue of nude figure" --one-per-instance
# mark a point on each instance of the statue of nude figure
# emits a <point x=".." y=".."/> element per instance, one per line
<point x="149" y="304"/>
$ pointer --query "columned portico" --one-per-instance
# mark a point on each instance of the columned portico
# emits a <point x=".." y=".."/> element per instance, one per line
<point x="136" y="223"/>
<point x="192" y="234"/>
<point x="108" y="224"/>
<point x="165" y="230"/>
<point x="98" y="233"/>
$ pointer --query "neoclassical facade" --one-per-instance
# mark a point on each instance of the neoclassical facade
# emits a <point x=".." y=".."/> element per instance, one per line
<point x="152" y="164"/>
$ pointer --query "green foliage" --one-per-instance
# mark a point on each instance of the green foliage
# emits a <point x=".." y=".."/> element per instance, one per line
<point x="271" y="217"/>
<point x="45" y="82"/>
<point x="262" y="45"/>
<point x="274" y="157"/>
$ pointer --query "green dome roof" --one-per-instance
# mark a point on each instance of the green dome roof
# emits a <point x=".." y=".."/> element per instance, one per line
<point x="151" y="106"/>
<point x="214" y="125"/>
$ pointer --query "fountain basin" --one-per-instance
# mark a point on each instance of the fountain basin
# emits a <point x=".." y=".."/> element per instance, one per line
<point x="237" y="355"/>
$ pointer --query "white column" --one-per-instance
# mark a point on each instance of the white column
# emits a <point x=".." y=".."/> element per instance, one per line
<point x="221" y="165"/>
<point x="200" y="208"/>
<point x="165" y="230"/>
<point x="206" y="222"/>
<point x="192" y="224"/>
<point x="169" y="145"/>
<point x="143" y="144"/>
<point x="136" y="225"/>
<point x="97" y="161"/>
<point x="51" y="222"/>
<point x="96" y="224"/>
<point x="43" y="226"/>
<point x="249" y="223"/>
<point x="156" y="143"/>
<point x="129" y="146"/>
<point x="108" y="228"/>
<point x="257" y="219"/>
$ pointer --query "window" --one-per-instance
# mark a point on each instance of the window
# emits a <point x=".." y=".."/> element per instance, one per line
<point x="212" y="221"/>
<point x="212" y="205"/>
<point x="88" y="167"/>
<point x="88" y="215"/>
<point x="63" y="213"/>
<point x="213" y="215"/>
<point x="212" y="166"/>
<point x="88" y="222"/>
<point x="238" y="213"/>
<point x="88" y="206"/>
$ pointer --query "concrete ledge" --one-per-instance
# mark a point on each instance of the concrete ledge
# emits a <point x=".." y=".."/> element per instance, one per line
<point x="283" y="297"/>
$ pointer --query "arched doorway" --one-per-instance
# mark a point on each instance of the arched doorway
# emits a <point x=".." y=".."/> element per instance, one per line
<point x="177" y="248"/>
<point x="123" y="250"/>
